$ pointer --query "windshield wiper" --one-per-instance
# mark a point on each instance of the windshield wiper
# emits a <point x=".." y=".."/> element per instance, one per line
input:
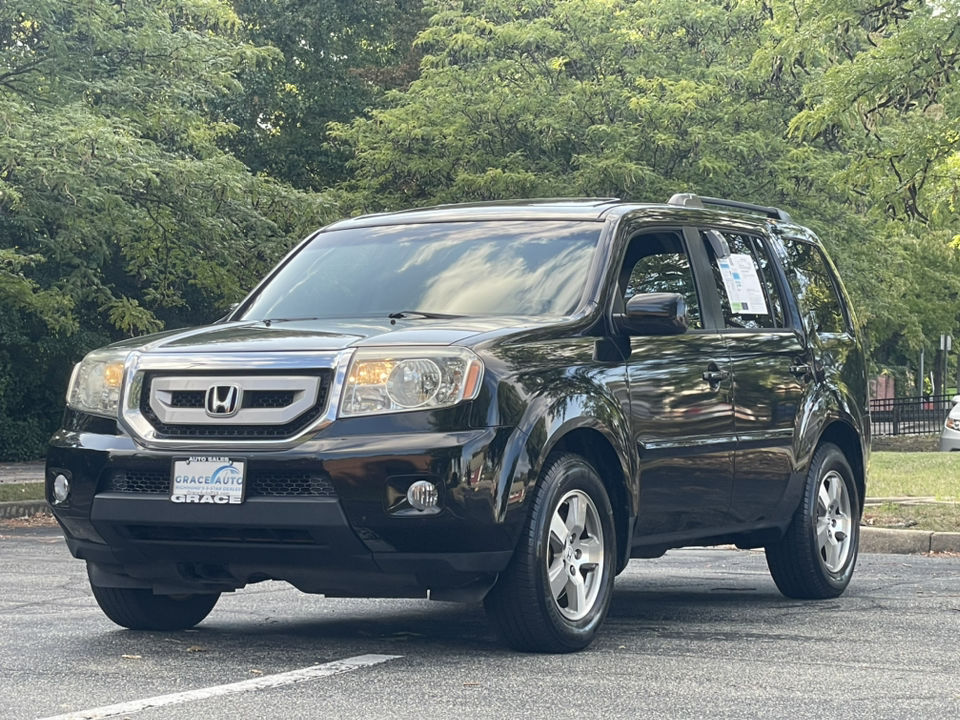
<point x="428" y="315"/>
<point x="269" y="321"/>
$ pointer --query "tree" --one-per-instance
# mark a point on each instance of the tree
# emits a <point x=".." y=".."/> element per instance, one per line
<point x="335" y="58"/>
<point x="577" y="97"/>
<point x="118" y="212"/>
<point x="879" y="84"/>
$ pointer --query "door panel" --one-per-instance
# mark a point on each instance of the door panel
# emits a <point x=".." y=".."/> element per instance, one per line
<point x="768" y="389"/>
<point x="680" y="389"/>
<point x="683" y="426"/>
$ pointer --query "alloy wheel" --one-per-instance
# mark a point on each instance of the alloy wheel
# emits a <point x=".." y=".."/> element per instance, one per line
<point x="575" y="555"/>
<point x="834" y="531"/>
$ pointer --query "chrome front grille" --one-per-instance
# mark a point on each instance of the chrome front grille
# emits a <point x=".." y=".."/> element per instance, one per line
<point x="270" y="406"/>
<point x="216" y="402"/>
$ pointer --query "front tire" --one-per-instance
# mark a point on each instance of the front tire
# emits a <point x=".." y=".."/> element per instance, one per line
<point x="555" y="592"/>
<point x="815" y="558"/>
<point x="139" y="609"/>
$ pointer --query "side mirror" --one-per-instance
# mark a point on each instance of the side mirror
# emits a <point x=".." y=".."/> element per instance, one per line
<point x="955" y="399"/>
<point x="654" y="314"/>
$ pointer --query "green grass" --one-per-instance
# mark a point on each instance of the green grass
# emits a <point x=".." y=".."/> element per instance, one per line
<point x="938" y="518"/>
<point x="21" y="491"/>
<point x="914" y="474"/>
<point x="898" y="474"/>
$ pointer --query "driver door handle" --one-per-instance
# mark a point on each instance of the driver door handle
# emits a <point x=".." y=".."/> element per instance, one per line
<point x="800" y="370"/>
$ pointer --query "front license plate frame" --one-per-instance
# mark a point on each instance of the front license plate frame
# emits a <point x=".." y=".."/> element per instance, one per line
<point x="208" y="480"/>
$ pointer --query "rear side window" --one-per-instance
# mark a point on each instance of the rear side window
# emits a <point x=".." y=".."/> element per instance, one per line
<point x="746" y="285"/>
<point x="811" y="280"/>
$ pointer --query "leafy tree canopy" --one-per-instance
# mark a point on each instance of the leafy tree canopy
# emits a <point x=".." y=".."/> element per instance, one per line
<point x="335" y="58"/>
<point x="150" y="148"/>
<point x="881" y="86"/>
<point x="118" y="211"/>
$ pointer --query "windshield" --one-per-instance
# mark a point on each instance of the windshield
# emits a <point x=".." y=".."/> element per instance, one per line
<point x="464" y="268"/>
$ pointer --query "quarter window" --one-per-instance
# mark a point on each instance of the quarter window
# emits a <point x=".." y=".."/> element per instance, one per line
<point x="813" y="283"/>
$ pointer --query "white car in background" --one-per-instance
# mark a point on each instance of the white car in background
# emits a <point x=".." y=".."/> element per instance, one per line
<point x="950" y="435"/>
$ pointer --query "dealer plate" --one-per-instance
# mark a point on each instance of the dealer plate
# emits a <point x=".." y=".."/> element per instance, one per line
<point x="208" y="480"/>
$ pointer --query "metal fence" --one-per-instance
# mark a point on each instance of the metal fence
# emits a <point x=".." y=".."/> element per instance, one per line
<point x="909" y="415"/>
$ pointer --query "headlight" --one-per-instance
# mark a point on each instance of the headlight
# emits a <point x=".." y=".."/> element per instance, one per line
<point x="95" y="383"/>
<point x="397" y="380"/>
<point x="953" y="423"/>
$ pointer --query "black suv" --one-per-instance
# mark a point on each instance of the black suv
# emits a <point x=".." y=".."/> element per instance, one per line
<point x="501" y="402"/>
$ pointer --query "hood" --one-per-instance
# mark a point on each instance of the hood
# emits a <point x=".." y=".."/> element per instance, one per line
<point x="329" y="334"/>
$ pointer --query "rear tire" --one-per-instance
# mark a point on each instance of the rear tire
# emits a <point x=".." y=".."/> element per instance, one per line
<point x="815" y="558"/>
<point x="138" y="609"/>
<point x="555" y="592"/>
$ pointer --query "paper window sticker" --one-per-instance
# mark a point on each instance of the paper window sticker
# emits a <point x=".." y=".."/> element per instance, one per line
<point x="742" y="283"/>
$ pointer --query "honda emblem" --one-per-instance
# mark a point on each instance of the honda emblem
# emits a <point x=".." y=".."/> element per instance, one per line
<point x="223" y="400"/>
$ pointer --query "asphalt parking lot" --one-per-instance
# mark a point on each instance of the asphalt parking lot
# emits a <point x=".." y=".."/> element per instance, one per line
<point x="696" y="634"/>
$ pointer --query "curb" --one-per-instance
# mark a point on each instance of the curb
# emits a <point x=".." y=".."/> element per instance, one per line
<point x="22" y="508"/>
<point x="907" y="542"/>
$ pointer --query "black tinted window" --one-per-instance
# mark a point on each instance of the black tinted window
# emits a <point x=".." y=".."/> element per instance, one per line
<point x="811" y="281"/>
<point x="468" y="268"/>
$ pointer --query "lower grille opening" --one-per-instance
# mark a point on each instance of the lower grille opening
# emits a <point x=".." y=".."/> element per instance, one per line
<point x="261" y="482"/>
<point x="291" y="483"/>
<point x="136" y="481"/>
<point x="168" y="533"/>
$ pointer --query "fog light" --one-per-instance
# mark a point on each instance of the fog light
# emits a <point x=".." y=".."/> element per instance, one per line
<point x="61" y="489"/>
<point x="423" y="495"/>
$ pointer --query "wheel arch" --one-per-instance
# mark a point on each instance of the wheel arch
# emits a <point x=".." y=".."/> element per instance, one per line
<point x="846" y="438"/>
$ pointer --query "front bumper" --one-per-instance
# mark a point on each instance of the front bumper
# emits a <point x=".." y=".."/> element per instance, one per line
<point x="949" y="440"/>
<point x="356" y="539"/>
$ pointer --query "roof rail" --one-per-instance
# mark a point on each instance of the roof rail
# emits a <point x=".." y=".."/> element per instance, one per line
<point x="694" y="200"/>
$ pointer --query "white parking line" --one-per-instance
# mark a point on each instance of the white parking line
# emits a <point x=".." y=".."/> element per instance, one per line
<point x="336" y="667"/>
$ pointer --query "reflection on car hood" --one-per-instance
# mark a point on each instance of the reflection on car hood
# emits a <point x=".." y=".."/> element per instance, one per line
<point x="328" y="334"/>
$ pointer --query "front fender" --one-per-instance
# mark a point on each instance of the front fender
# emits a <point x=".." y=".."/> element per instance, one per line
<point x="551" y="418"/>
